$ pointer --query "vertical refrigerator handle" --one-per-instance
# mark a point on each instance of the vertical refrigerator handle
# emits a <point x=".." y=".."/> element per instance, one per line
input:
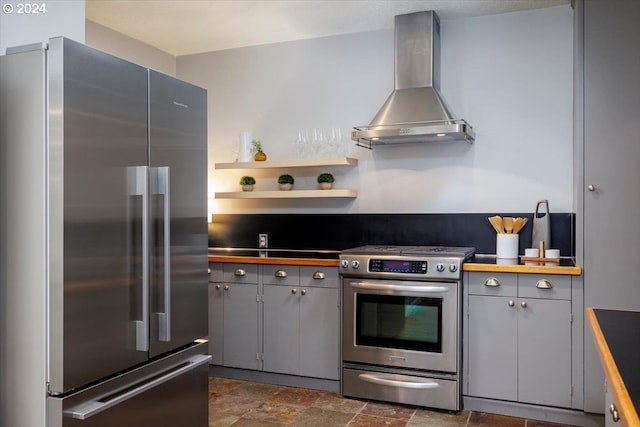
<point x="164" y="319"/>
<point x="141" y="181"/>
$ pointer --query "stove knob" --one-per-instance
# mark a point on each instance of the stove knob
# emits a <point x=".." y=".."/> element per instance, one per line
<point x="440" y="267"/>
<point x="453" y="268"/>
<point x="344" y="263"/>
<point x="355" y="264"/>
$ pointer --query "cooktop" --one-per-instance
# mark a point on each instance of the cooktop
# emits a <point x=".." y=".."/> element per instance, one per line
<point x="441" y="251"/>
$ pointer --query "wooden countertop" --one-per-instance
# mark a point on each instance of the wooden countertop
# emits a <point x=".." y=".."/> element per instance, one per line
<point x="479" y="263"/>
<point x="489" y="263"/>
<point x="617" y="338"/>
<point x="321" y="262"/>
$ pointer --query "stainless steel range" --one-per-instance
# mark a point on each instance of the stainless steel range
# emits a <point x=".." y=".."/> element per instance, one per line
<point x="402" y="324"/>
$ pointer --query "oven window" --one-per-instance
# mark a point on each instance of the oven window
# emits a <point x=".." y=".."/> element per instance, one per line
<point x="410" y="323"/>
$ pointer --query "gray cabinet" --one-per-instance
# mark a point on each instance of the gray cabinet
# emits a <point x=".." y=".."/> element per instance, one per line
<point x="519" y="338"/>
<point x="216" y="310"/>
<point x="613" y="416"/>
<point x="281" y="318"/>
<point x="233" y="315"/>
<point x="302" y="321"/>
<point x="607" y="148"/>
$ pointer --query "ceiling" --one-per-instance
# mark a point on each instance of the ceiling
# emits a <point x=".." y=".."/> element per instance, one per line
<point x="183" y="27"/>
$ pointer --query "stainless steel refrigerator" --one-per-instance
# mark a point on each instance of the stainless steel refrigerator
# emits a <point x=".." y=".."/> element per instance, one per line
<point x="103" y="262"/>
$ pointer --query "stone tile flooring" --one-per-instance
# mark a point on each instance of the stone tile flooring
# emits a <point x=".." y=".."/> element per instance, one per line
<point x="249" y="404"/>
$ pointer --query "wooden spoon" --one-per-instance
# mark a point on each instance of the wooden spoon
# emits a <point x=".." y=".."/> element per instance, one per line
<point x="496" y="222"/>
<point x="518" y="224"/>
<point x="508" y="224"/>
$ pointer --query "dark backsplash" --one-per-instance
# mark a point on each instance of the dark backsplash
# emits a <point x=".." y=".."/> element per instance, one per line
<point x="342" y="231"/>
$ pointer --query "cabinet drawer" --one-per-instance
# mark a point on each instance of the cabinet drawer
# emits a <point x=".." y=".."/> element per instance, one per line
<point x="533" y="286"/>
<point x="240" y="273"/>
<point x="506" y="284"/>
<point x="281" y="275"/>
<point x="319" y="276"/>
<point x="215" y="272"/>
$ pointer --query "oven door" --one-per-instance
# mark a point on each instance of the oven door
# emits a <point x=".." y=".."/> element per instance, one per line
<point x="403" y="324"/>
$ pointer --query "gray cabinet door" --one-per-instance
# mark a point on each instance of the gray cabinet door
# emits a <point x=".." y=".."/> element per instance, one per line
<point x="493" y="347"/>
<point x="320" y="333"/>
<point x="216" y="313"/>
<point x="611" y="153"/>
<point x="281" y="329"/>
<point x="544" y="352"/>
<point x="216" y="322"/>
<point x="240" y="325"/>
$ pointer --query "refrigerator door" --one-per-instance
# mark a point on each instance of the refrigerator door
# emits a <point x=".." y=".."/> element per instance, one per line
<point x="171" y="391"/>
<point x="178" y="192"/>
<point x="97" y="170"/>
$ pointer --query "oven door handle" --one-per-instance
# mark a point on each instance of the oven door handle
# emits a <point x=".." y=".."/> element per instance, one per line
<point x="427" y="289"/>
<point x="375" y="379"/>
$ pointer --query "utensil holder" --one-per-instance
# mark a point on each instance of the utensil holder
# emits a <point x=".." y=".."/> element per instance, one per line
<point x="507" y="246"/>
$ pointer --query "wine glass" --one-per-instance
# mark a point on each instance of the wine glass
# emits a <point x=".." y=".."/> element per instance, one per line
<point x="301" y="144"/>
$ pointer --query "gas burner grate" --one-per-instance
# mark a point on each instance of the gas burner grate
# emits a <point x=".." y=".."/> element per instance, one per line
<point x="442" y="251"/>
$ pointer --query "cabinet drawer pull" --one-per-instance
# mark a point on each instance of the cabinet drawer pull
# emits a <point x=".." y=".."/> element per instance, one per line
<point x="226" y="287"/>
<point x="294" y="291"/>
<point x="544" y="284"/>
<point x="239" y="272"/>
<point x="615" y="416"/>
<point x="511" y="303"/>
<point x="217" y="286"/>
<point x="318" y="275"/>
<point x="303" y="292"/>
<point x="281" y="273"/>
<point x="208" y="271"/>
<point x="523" y="304"/>
<point x="492" y="282"/>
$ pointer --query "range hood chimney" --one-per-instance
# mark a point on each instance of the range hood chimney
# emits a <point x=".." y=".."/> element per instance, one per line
<point x="415" y="111"/>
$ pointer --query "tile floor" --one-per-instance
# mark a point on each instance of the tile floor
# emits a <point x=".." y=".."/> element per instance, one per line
<point x="248" y="404"/>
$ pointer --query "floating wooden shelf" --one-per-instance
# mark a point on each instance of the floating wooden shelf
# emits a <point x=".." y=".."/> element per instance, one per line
<point x="293" y="194"/>
<point x="294" y="163"/>
<point x="286" y="164"/>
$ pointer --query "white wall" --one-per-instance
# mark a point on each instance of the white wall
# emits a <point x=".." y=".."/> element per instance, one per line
<point x="509" y="75"/>
<point x="58" y="18"/>
<point x="125" y="47"/>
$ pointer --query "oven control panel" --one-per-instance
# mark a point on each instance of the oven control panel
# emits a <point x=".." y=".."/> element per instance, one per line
<point x="443" y="268"/>
<point x="397" y="266"/>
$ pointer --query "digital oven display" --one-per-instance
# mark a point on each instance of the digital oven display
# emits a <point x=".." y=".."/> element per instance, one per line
<point x="397" y="266"/>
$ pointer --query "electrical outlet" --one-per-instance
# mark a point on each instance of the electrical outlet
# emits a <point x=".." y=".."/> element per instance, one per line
<point x="263" y="241"/>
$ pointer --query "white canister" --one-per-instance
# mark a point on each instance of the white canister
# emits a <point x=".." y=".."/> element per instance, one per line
<point x="244" y="153"/>
<point x="507" y="246"/>
<point x="552" y="253"/>
<point x="531" y="253"/>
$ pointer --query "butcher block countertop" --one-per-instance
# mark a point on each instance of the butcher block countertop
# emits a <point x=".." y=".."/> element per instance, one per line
<point x="616" y="334"/>
<point x="329" y="258"/>
<point x="285" y="257"/>
<point x="489" y="263"/>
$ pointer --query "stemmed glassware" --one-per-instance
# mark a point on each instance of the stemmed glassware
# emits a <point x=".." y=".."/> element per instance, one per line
<point x="318" y="142"/>
<point x="302" y="144"/>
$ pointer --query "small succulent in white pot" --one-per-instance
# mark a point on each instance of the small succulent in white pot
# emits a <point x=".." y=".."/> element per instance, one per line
<point x="247" y="183"/>
<point x="285" y="182"/>
<point x="325" y="181"/>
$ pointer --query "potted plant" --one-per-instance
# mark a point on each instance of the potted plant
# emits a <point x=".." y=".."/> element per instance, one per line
<point x="325" y="181"/>
<point x="259" y="155"/>
<point x="247" y="183"/>
<point x="285" y="182"/>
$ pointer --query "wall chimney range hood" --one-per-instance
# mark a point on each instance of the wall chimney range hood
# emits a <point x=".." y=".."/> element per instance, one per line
<point x="415" y="111"/>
